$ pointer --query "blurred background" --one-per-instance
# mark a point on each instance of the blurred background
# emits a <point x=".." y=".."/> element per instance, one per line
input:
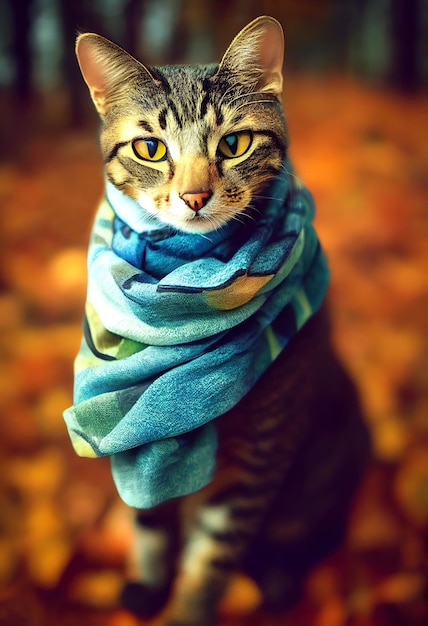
<point x="356" y="77"/>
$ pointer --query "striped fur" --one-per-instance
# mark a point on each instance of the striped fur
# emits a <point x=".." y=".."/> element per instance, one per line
<point x="290" y="452"/>
<point x="190" y="109"/>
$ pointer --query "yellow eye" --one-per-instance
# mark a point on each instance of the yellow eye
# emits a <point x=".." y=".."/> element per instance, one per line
<point x="235" y="144"/>
<point x="149" y="149"/>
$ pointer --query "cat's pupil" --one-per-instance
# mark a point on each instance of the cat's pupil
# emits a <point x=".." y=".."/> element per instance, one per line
<point x="152" y="146"/>
<point x="232" y="142"/>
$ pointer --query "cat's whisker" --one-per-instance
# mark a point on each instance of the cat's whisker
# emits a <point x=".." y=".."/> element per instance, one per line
<point x="213" y="221"/>
<point x="239" y="217"/>
<point x="248" y="213"/>
<point x="254" y="209"/>
<point x="264" y="101"/>
<point x="261" y="197"/>
<point x="205" y="236"/>
<point x="249" y="218"/>
<point x="291" y="174"/>
<point x="228" y="90"/>
<point x="247" y="95"/>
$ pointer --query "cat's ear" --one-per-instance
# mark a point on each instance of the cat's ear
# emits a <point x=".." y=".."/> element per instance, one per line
<point x="257" y="52"/>
<point x="107" y="69"/>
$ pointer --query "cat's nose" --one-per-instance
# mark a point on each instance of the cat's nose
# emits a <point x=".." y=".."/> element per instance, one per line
<point x="196" y="200"/>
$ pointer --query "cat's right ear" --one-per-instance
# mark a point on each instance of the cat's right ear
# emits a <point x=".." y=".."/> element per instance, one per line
<point x="106" y="68"/>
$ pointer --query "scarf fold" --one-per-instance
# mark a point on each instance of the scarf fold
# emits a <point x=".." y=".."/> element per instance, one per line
<point x="178" y="328"/>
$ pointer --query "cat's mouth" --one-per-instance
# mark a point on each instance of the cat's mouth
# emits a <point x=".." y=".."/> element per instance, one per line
<point x="203" y="212"/>
<point x="200" y="223"/>
<point x="209" y="218"/>
<point x="194" y="213"/>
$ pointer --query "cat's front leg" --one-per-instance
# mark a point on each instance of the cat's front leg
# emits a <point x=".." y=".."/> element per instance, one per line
<point x="152" y="562"/>
<point x="210" y="558"/>
<point x="218" y="540"/>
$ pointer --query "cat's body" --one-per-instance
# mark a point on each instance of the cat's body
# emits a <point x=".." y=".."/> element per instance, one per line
<point x="290" y="455"/>
<point x="197" y="147"/>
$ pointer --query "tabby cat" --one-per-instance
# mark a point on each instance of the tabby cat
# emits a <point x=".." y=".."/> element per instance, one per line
<point x="197" y="149"/>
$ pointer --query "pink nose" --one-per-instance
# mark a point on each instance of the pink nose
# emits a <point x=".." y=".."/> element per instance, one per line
<point x="196" y="200"/>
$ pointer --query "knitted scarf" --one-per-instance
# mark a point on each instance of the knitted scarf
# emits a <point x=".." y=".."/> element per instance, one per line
<point x="178" y="327"/>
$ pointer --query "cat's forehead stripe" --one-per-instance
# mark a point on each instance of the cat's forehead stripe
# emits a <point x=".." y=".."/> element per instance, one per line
<point x="190" y="94"/>
<point x="175" y="112"/>
<point x="206" y="101"/>
<point x="146" y="126"/>
<point x="219" y="117"/>
<point x="162" y="118"/>
<point x="204" y="105"/>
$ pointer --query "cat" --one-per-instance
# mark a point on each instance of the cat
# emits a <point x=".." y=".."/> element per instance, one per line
<point x="195" y="150"/>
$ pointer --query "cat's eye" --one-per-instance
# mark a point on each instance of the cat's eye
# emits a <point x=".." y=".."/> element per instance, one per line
<point x="149" y="149"/>
<point x="235" y="144"/>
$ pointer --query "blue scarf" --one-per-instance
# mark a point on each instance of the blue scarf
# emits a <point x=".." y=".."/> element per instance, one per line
<point x="179" y="327"/>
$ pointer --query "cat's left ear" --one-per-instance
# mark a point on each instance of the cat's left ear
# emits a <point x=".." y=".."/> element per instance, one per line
<point x="257" y="54"/>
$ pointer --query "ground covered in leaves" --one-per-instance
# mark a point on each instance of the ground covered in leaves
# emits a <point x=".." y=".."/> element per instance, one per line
<point x="63" y="532"/>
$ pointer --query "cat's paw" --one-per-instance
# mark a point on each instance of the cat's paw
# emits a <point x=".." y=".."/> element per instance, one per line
<point x="143" y="601"/>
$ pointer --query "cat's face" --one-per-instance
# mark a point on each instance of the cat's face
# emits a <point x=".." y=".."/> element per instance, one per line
<point x="194" y="146"/>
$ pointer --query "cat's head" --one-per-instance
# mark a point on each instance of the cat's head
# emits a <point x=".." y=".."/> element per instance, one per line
<point x="195" y="146"/>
